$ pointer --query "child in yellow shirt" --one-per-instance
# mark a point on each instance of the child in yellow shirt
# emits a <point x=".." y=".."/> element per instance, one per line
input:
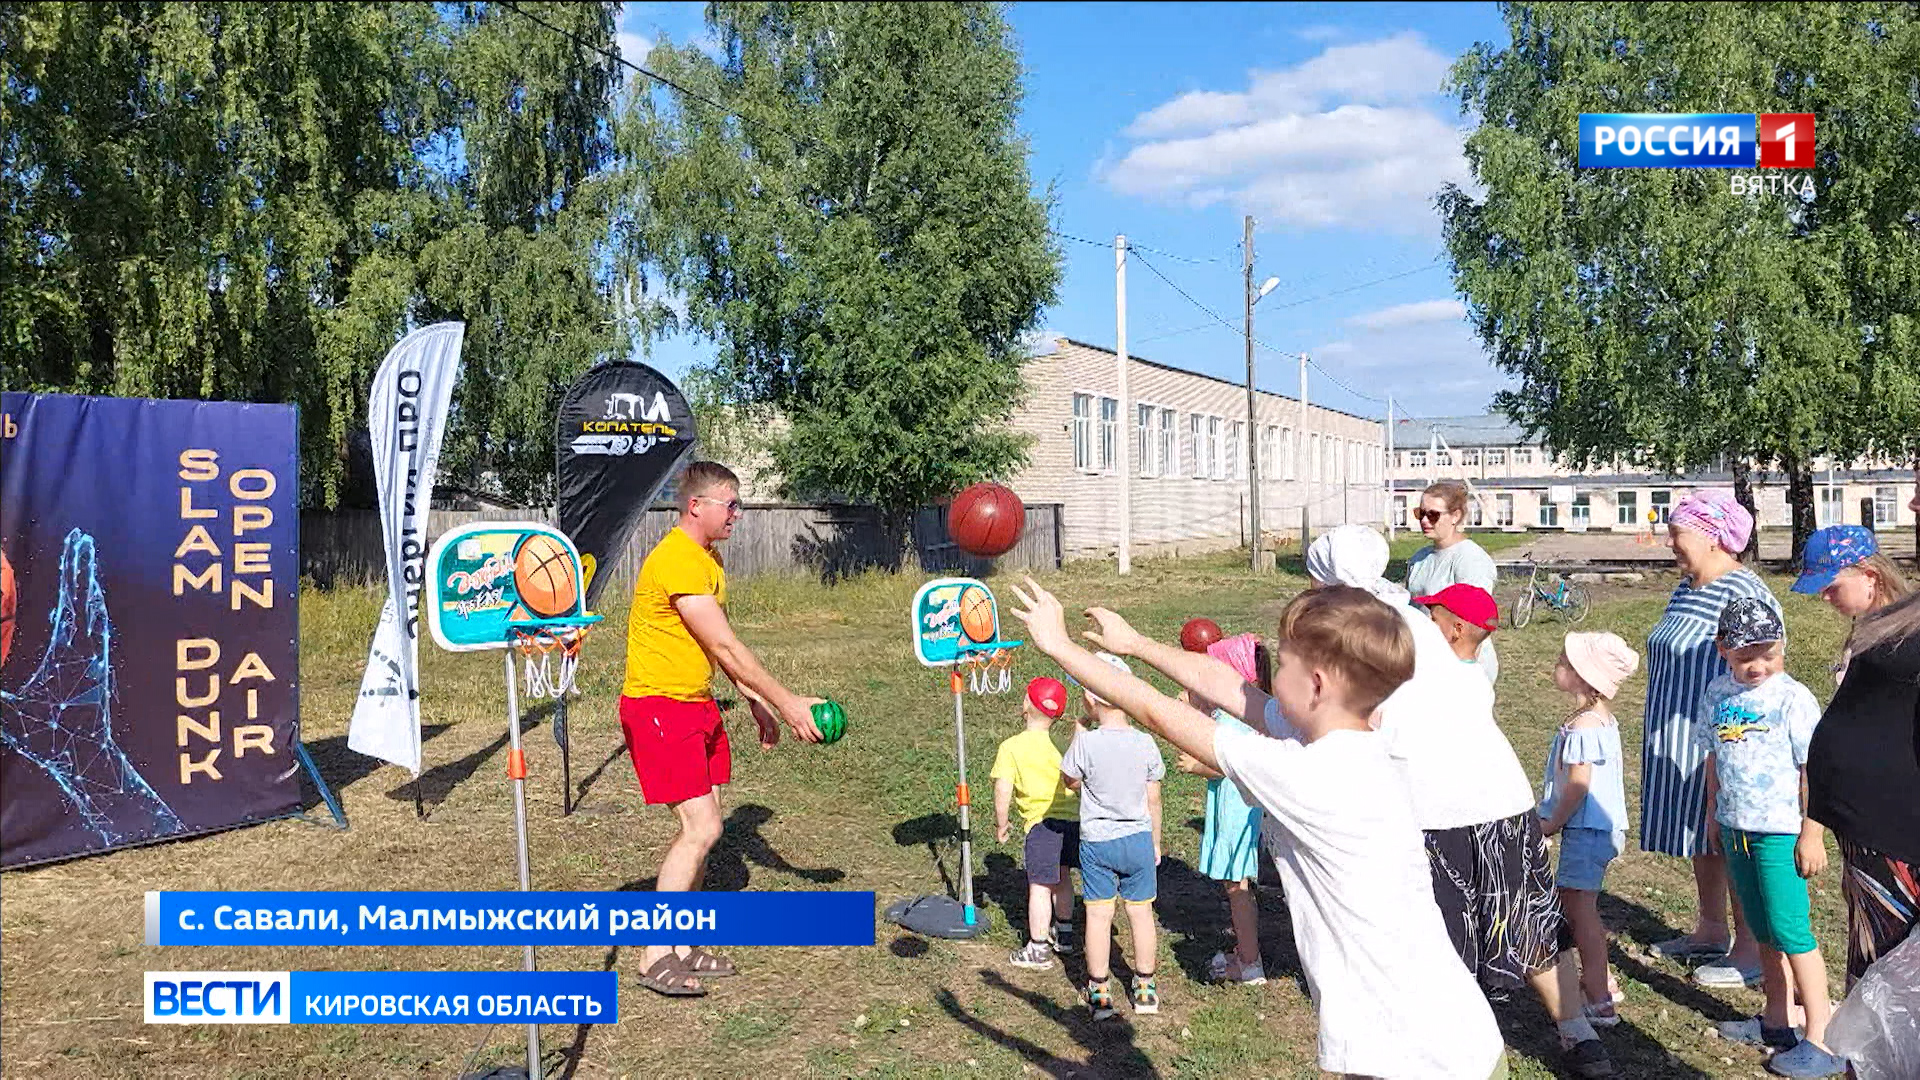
<point x="1026" y="772"/>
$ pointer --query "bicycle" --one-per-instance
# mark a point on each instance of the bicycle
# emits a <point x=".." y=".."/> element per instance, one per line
<point x="1569" y="600"/>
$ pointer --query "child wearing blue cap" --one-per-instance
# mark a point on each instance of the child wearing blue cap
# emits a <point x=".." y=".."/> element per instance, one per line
<point x="1843" y="565"/>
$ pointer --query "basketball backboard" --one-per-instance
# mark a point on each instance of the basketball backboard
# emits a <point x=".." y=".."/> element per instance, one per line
<point x="485" y="576"/>
<point x="951" y="617"/>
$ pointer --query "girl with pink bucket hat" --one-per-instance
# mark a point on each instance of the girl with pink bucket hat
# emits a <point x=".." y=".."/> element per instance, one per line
<point x="1230" y="844"/>
<point x="1585" y="801"/>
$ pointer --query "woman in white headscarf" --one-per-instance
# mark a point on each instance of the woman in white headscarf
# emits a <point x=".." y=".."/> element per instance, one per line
<point x="1492" y="874"/>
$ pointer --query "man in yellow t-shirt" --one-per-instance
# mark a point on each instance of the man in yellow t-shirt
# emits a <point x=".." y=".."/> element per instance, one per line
<point x="1026" y="774"/>
<point x="677" y="633"/>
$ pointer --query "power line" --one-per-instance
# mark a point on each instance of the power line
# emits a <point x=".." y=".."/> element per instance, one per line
<point x="1362" y="285"/>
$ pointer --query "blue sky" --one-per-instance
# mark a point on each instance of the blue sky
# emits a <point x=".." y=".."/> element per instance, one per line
<point x="1168" y="122"/>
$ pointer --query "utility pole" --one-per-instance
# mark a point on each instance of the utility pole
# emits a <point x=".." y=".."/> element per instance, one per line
<point x="1307" y="465"/>
<point x="1121" y="424"/>
<point x="1253" y="427"/>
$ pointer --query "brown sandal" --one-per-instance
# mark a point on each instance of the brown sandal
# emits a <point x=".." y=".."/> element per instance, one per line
<point x="701" y="962"/>
<point x="670" y="977"/>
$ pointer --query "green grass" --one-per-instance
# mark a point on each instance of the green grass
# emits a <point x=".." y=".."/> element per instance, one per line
<point x="857" y="815"/>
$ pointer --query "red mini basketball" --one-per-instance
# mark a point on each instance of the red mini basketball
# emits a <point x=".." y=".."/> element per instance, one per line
<point x="986" y="520"/>
<point x="1198" y="634"/>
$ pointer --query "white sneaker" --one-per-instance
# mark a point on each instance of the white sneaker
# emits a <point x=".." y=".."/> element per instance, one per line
<point x="1727" y="975"/>
<point x="1035" y="956"/>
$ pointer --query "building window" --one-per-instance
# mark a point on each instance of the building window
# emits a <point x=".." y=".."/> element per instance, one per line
<point x="1083" y="432"/>
<point x="1474" y="513"/>
<point x="1470" y="458"/>
<point x="1886" y="502"/>
<point x="1661" y="503"/>
<point x="1109" y="433"/>
<point x="1582" y="515"/>
<point x="1503" y="511"/>
<point x="1523" y="455"/>
<point x="1286" y="453"/>
<point x="1443" y="458"/>
<point x="1169" y="444"/>
<point x="1496" y="456"/>
<point x="1235" y="463"/>
<point x="1315" y="462"/>
<point x="1626" y="508"/>
<point x="1198" y="427"/>
<point x="1549" y="514"/>
<point x="1216" y="451"/>
<point x="1833" y="506"/>
<point x="1144" y="444"/>
<point x="1416" y="459"/>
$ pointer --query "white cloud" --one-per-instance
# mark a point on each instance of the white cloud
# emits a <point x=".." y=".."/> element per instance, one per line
<point x="1414" y="314"/>
<point x="634" y="47"/>
<point x="1348" y="138"/>
<point x="1320" y="32"/>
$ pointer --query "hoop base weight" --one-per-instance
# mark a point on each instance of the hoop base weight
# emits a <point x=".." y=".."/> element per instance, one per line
<point x="938" y="916"/>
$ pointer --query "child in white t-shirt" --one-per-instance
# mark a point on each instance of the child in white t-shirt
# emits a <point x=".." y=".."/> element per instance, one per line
<point x="1393" y="998"/>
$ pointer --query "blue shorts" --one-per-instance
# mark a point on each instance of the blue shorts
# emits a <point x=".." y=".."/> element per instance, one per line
<point x="1122" y="867"/>
<point x="1584" y="855"/>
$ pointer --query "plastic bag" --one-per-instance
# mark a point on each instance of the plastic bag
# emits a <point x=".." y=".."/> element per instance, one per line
<point x="1878" y="1027"/>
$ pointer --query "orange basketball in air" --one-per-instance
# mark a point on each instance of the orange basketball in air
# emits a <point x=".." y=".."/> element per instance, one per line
<point x="9" y="602"/>
<point x="976" y="614"/>
<point x="986" y="520"/>
<point x="543" y="575"/>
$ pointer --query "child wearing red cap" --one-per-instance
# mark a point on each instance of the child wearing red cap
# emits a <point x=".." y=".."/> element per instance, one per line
<point x="1466" y="616"/>
<point x="1026" y="771"/>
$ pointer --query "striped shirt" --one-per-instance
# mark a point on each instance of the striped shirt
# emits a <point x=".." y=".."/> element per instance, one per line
<point x="1681" y="661"/>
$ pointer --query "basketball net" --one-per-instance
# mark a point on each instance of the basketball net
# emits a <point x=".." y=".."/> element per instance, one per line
<point x="540" y="645"/>
<point x="990" y="672"/>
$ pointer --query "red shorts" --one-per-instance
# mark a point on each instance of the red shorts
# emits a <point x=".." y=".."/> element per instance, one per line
<point x="679" y="748"/>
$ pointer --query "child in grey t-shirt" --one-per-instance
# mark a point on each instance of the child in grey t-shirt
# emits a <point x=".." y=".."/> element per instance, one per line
<point x="1117" y="771"/>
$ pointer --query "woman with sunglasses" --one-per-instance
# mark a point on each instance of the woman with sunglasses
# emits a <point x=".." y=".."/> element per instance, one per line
<point x="1708" y="531"/>
<point x="1453" y="558"/>
<point x="1863" y="766"/>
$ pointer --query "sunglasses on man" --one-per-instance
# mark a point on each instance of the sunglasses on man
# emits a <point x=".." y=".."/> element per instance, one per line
<point x="1431" y="517"/>
<point x="733" y="505"/>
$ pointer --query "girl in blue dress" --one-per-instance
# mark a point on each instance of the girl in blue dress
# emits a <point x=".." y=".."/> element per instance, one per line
<point x="1709" y="530"/>
<point x="1230" y="845"/>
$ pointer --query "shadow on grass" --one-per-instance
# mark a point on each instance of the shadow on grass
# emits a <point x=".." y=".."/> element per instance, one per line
<point x="930" y="830"/>
<point x="1642" y="925"/>
<point x="741" y="847"/>
<point x="435" y="785"/>
<point x="1110" y="1046"/>
<point x="341" y="766"/>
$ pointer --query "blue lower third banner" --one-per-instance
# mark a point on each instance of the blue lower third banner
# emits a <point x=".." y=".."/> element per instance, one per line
<point x="509" y="918"/>
<point x="382" y="997"/>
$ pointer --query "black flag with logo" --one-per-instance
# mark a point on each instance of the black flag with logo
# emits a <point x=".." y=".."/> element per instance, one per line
<point x="623" y="430"/>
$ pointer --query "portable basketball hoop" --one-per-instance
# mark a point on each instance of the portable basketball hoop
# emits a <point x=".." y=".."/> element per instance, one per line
<point x="516" y="587"/>
<point x="956" y="625"/>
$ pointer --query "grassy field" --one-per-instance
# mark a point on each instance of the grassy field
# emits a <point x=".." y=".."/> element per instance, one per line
<point x="870" y="813"/>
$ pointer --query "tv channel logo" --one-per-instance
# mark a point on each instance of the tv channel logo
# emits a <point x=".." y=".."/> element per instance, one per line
<point x="219" y="997"/>
<point x="1696" y="140"/>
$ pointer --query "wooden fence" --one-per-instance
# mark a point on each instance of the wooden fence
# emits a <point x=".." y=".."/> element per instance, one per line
<point x="345" y="547"/>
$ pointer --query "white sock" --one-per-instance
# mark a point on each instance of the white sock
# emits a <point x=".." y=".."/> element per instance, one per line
<point x="1576" y="1030"/>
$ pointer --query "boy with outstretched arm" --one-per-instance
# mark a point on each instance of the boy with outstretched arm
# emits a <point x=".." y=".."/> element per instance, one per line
<point x="1393" y="998"/>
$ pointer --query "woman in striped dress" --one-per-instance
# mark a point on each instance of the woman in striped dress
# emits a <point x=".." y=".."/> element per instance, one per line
<point x="1709" y="529"/>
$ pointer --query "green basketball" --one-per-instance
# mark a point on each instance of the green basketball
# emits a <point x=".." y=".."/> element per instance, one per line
<point x="831" y="719"/>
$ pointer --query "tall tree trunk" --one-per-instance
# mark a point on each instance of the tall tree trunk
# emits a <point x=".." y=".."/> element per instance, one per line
<point x="1743" y="493"/>
<point x="1800" y="499"/>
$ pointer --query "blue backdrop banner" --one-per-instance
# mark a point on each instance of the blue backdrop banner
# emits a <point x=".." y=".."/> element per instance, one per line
<point x="509" y="918"/>
<point x="149" y="660"/>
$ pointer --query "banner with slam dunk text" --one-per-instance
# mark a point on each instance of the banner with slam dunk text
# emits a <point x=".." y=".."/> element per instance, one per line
<point x="406" y="417"/>
<point x="149" y="657"/>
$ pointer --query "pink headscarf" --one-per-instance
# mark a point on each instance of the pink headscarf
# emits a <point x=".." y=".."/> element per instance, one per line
<point x="1237" y="653"/>
<point x="1716" y="514"/>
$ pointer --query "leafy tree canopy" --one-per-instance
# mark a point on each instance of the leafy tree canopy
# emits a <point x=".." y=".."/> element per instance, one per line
<point x="1656" y="314"/>
<point x="253" y="202"/>
<point x="859" y="236"/>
